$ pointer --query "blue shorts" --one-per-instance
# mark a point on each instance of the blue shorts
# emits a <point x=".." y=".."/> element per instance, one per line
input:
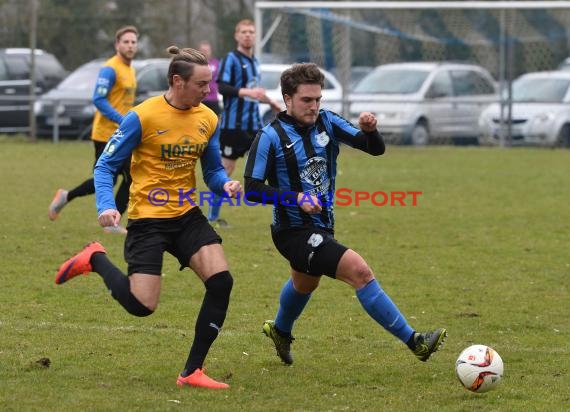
<point x="309" y="250"/>
<point x="182" y="236"/>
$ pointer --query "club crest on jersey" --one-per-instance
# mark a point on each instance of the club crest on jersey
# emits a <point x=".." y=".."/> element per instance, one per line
<point x="322" y="139"/>
<point x="315" y="240"/>
<point x="203" y="128"/>
<point x="315" y="171"/>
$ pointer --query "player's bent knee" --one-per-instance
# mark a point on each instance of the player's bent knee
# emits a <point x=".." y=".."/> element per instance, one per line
<point x="142" y="312"/>
<point x="138" y="309"/>
<point x="220" y="284"/>
<point x="357" y="276"/>
<point x="134" y="306"/>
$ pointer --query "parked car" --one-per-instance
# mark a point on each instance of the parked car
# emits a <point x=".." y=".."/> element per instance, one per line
<point x="540" y="112"/>
<point x="356" y="74"/>
<point x="564" y="64"/>
<point x="71" y="101"/>
<point x="15" y="81"/>
<point x="270" y="81"/>
<point x="418" y="103"/>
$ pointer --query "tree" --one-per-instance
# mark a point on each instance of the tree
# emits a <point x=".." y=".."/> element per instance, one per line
<point x="77" y="32"/>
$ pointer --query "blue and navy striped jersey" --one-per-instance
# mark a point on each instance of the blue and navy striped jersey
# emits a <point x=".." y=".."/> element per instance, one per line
<point x="296" y="159"/>
<point x="240" y="71"/>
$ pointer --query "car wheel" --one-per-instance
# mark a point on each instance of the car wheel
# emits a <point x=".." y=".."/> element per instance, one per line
<point x="563" y="139"/>
<point x="420" y="134"/>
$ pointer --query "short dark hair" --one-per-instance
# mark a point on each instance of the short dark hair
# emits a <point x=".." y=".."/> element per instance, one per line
<point x="183" y="62"/>
<point x="126" y="29"/>
<point x="300" y="73"/>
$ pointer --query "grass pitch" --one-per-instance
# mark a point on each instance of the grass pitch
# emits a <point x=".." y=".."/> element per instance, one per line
<point x="484" y="254"/>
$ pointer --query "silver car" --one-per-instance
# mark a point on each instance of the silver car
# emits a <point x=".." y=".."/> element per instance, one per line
<point x="418" y="103"/>
<point x="540" y="112"/>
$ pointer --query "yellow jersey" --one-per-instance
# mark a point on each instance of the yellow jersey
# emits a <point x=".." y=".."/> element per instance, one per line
<point x="165" y="144"/>
<point x="114" y="96"/>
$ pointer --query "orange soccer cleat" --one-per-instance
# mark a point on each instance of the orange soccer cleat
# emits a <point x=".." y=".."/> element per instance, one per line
<point x="79" y="264"/>
<point x="199" y="379"/>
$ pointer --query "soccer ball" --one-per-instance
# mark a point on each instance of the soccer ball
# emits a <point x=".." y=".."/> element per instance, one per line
<point x="479" y="368"/>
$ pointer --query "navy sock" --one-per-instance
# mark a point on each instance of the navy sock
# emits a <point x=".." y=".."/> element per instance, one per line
<point x="291" y="305"/>
<point x="210" y="319"/>
<point x="84" y="189"/>
<point x="118" y="284"/>
<point x="381" y="308"/>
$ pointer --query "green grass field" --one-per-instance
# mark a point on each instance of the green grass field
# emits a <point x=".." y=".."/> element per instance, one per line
<point x="484" y="254"/>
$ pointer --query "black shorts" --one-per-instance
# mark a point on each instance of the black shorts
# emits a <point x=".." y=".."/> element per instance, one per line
<point x="235" y="143"/>
<point x="148" y="239"/>
<point x="309" y="250"/>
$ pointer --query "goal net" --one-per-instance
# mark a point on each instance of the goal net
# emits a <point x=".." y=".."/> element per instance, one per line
<point x="343" y="34"/>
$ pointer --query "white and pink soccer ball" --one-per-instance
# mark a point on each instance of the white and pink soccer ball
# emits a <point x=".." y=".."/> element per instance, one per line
<point x="479" y="368"/>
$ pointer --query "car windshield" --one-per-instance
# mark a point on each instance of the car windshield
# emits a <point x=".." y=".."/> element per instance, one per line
<point x="50" y="66"/>
<point x="83" y="78"/>
<point x="392" y="81"/>
<point x="540" y="90"/>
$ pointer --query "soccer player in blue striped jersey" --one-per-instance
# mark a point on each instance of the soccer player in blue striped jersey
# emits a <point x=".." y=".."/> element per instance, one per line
<point x="292" y="164"/>
<point x="239" y="82"/>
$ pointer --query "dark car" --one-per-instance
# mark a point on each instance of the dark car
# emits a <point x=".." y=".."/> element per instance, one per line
<point x="15" y="81"/>
<point x="70" y="103"/>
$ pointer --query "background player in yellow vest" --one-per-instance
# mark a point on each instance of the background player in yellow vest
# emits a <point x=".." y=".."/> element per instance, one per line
<point x="166" y="136"/>
<point x="114" y="96"/>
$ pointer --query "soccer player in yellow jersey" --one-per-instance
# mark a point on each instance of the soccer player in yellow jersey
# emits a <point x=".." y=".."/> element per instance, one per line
<point x="114" y="96"/>
<point x="166" y="136"/>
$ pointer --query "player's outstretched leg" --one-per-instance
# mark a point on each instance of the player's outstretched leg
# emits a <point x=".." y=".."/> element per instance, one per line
<point x="79" y="264"/>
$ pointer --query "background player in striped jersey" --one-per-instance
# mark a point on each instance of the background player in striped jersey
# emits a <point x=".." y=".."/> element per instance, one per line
<point x="239" y="83"/>
<point x="296" y="155"/>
